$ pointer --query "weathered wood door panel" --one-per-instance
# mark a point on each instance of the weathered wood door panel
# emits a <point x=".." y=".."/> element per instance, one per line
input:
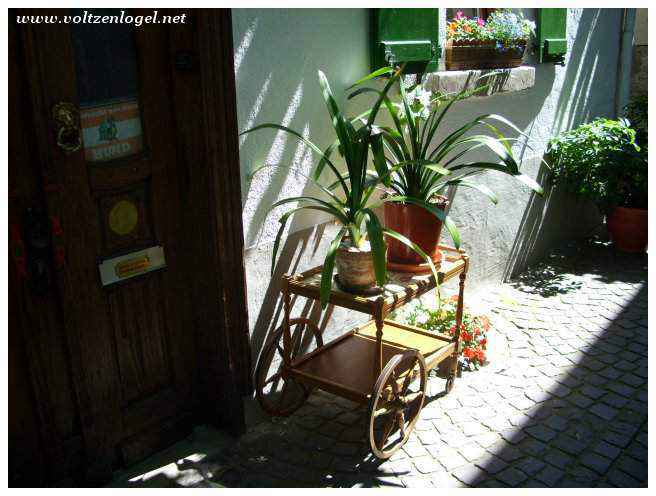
<point x="132" y="343"/>
<point x="103" y="375"/>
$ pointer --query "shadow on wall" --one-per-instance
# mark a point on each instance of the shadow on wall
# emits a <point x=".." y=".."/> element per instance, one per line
<point x="548" y="221"/>
<point x="598" y="29"/>
<point x="277" y="55"/>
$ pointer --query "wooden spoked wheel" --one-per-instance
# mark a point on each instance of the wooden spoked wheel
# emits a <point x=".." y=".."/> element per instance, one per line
<point x="396" y="402"/>
<point x="278" y="393"/>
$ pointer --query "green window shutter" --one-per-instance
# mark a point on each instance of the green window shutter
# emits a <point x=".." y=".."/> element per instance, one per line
<point x="406" y="35"/>
<point x="552" y="35"/>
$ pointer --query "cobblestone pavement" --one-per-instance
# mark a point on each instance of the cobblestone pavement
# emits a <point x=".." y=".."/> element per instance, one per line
<point x="565" y="405"/>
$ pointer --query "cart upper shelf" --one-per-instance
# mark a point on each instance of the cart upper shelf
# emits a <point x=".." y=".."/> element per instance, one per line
<point x="401" y="287"/>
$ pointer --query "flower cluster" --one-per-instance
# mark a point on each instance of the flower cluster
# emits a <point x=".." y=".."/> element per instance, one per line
<point x="506" y="28"/>
<point x="473" y="329"/>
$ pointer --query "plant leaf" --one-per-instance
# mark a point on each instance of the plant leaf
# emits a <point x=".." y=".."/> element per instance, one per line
<point x="378" y="246"/>
<point x="440" y="214"/>
<point x="414" y="247"/>
<point x="328" y="266"/>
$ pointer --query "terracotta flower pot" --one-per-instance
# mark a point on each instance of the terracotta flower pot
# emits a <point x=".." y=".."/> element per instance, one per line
<point x="418" y="225"/>
<point x="627" y="228"/>
<point x="355" y="268"/>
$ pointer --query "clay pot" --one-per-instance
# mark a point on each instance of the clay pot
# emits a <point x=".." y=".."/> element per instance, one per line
<point x="627" y="228"/>
<point x="418" y="225"/>
<point x="355" y="267"/>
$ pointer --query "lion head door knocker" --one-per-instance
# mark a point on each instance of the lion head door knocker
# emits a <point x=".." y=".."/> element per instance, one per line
<point x="66" y="118"/>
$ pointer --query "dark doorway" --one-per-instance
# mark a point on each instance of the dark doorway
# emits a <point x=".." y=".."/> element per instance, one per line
<point x="125" y="216"/>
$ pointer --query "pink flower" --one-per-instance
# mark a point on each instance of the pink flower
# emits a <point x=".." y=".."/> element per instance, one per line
<point x="459" y="15"/>
<point x="480" y="22"/>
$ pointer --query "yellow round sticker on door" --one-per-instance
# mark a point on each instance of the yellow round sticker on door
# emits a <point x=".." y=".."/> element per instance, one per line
<point x="123" y="217"/>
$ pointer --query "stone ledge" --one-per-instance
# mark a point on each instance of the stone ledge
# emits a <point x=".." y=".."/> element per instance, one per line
<point x="508" y="80"/>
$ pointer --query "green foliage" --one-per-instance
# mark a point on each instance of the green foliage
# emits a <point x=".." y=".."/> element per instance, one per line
<point x="601" y="161"/>
<point x="420" y="164"/>
<point x="636" y="113"/>
<point x="505" y="27"/>
<point x="442" y="320"/>
<point x="349" y="198"/>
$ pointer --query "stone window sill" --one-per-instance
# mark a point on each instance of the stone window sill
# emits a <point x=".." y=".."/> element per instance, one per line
<point x="509" y="80"/>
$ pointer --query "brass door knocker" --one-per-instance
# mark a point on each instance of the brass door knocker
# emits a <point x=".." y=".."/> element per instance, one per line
<point x="68" y="129"/>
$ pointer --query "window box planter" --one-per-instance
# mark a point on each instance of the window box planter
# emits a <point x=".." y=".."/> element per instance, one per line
<point x="463" y="55"/>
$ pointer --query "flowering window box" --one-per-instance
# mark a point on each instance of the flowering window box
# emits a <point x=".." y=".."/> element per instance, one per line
<point x="476" y="54"/>
<point x="493" y="43"/>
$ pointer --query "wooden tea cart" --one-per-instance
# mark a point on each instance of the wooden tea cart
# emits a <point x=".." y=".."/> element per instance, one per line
<point x="382" y="364"/>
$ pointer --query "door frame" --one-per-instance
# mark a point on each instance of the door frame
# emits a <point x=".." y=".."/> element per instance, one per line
<point x="213" y="216"/>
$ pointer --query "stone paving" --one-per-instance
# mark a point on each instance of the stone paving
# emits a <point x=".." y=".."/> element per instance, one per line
<point x="563" y="404"/>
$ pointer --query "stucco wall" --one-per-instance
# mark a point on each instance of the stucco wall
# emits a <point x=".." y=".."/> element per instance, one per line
<point x="277" y="53"/>
<point x="640" y="63"/>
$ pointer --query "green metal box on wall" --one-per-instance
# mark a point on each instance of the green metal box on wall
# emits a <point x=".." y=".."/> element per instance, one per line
<point x="406" y="35"/>
<point x="552" y="35"/>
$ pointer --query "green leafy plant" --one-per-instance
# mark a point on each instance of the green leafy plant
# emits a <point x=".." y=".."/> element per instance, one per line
<point x="636" y="112"/>
<point x="349" y="198"/>
<point x="418" y="164"/>
<point x="503" y="26"/>
<point x="601" y="161"/>
<point x="473" y="329"/>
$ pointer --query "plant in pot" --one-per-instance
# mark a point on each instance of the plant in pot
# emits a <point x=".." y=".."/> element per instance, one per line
<point x="603" y="162"/>
<point x="496" y="43"/>
<point x="424" y="164"/>
<point x="359" y="249"/>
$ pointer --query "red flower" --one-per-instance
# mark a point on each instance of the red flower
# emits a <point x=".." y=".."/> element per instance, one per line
<point x="468" y="353"/>
<point x="483" y="342"/>
<point x="465" y="336"/>
<point x="480" y="355"/>
<point x="452" y="329"/>
<point x="477" y="331"/>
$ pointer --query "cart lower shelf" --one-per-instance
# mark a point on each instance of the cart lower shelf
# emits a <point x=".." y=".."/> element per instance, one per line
<point x="344" y="366"/>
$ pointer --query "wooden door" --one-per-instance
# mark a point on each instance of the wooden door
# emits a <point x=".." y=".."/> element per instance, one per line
<point x="110" y="174"/>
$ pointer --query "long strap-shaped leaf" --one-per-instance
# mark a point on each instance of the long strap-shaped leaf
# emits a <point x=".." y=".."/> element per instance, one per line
<point x="416" y="248"/>
<point x="283" y="222"/>
<point x="378" y="247"/>
<point x="334" y="209"/>
<point x="449" y="224"/>
<point x="328" y="266"/>
<point x="302" y="138"/>
<point x="527" y="180"/>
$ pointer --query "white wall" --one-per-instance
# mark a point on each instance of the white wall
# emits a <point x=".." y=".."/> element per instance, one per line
<point x="277" y="54"/>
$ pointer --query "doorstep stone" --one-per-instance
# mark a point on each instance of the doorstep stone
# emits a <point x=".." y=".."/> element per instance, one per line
<point x="514" y="79"/>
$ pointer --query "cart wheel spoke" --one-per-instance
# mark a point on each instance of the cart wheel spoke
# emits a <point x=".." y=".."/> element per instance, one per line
<point x="272" y="386"/>
<point x="410" y="376"/>
<point x="414" y="397"/>
<point x="274" y="377"/>
<point x="400" y="419"/>
<point x="386" y="431"/>
<point x="402" y="409"/>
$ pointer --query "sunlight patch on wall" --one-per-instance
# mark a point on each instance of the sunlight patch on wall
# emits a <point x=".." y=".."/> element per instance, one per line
<point x="271" y="174"/>
<point x="255" y="109"/>
<point x="244" y="45"/>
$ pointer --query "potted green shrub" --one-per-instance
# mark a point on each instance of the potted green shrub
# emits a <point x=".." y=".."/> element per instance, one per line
<point x="478" y="44"/>
<point x="359" y="248"/>
<point x="424" y="164"/>
<point x="603" y="162"/>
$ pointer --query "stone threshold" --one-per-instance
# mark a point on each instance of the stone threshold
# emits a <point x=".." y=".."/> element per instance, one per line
<point x="508" y="80"/>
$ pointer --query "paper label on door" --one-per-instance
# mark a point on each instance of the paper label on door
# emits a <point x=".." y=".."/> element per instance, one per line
<point x="111" y="131"/>
<point x="131" y="265"/>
